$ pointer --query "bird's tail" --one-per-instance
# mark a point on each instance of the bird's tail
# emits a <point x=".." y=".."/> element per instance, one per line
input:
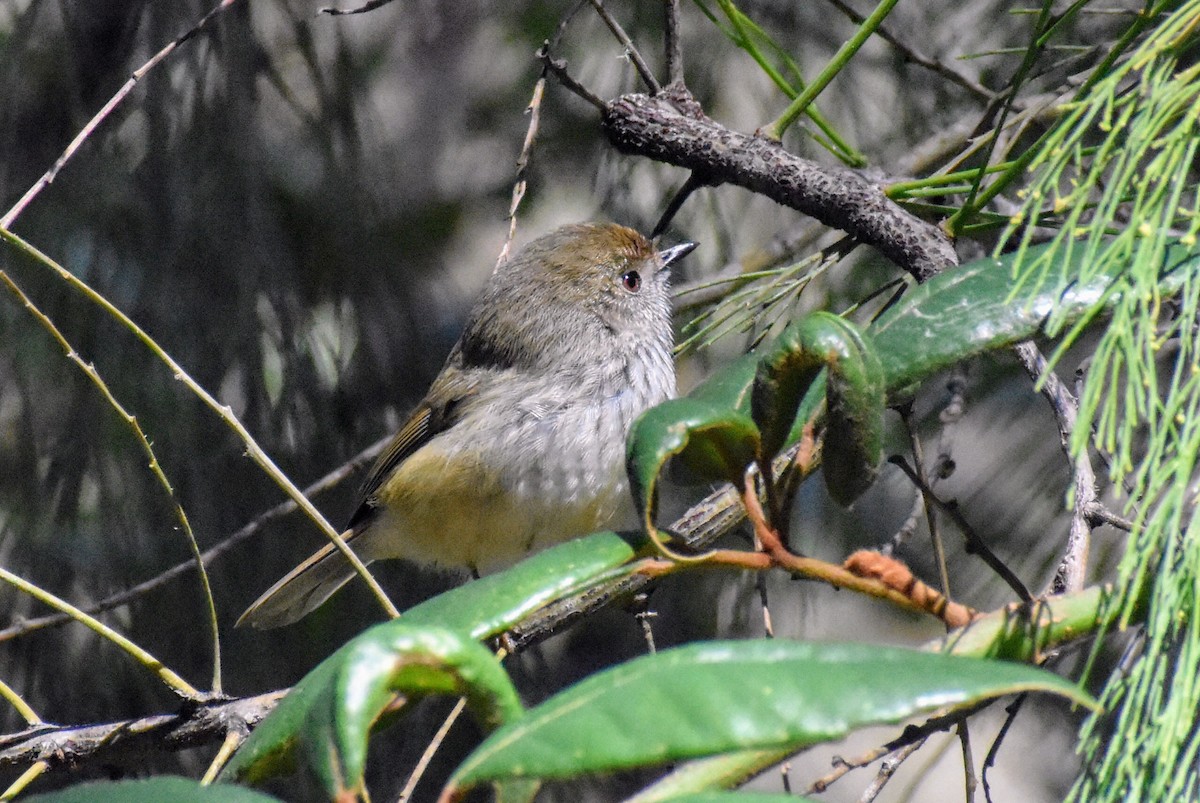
<point x="303" y="589"/>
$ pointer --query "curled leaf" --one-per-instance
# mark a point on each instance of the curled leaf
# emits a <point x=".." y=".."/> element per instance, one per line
<point x="715" y="443"/>
<point x="789" y="373"/>
<point x="329" y="714"/>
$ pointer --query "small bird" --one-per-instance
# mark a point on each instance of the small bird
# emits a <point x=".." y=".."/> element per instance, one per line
<point x="519" y="443"/>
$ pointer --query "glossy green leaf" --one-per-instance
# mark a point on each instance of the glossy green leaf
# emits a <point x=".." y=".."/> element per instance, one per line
<point x="1022" y="632"/>
<point x="729" y="387"/>
<point x="975" y="308"/>
<point x="717" y="697"/>
<point x="479" y="610"/>
<point x="329" y="714"/>
<point x="959" y="314"/>
<point x="162" y="789"/>
<point x="854" y="392"/>
<point x="714" y="442"/>
<point x="1013" y="633"/>
<point x="497" y="602"/>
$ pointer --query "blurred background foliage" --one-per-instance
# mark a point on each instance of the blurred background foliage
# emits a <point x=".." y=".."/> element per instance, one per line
<point x="300" y="209"/>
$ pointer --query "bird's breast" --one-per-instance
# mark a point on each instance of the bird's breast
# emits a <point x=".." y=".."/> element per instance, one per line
<point x="529" y="465"/>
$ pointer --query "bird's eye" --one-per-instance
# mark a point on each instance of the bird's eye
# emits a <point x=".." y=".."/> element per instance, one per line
<point x="631" y="281"/>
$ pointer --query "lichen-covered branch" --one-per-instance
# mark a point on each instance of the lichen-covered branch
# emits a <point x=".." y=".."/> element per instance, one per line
<point x="671" y="127"/>
<point x="206" y="723"/>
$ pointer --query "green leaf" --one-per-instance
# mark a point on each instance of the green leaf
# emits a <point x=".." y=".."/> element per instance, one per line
<point x="854" y="392"/>
<point x="496" y="603"/>
<point x="478" y="610"/>
<point x="730" y="386"/>
<point x="976" y="308"/>
<point x="331" y="711"/>
<point x="718" y="697"/>
<point x="714" y="442"/>
<point x="1022" y="632"/>
<point x="162" y="789"/>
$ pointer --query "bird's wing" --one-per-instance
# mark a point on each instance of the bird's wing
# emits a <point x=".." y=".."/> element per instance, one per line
<point x="439" y="411"/>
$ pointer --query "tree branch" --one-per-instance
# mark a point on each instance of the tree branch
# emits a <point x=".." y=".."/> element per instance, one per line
<point x="671" y="127"/>
<point x="192" y="726"/>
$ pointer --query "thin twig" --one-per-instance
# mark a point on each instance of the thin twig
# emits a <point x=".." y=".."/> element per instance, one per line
<point x="693" y="183"/>
<point x="559" y="68"/>
<point x="910" y="736"/>
<point x="11" y="216"/>
<point x="154" y="465"/>
<point x="23" y="708"/>
<point x="901" y="537"/>
<point x="1011" y="710"/>
<point x="975" y="544"/>
<point x="912" y="55"/>
<point x="1100" y="514"/>
<point x="646" y="618"/>
<point x="31" y="773"/>
<point x="431" y="749"/>
<point x="26" y="626"/>
<point x="970" y="783"/>
<point x="630" y="49"/>
<point x="935" y="533"/>
<point x="888" y="768"/>
<point x="761" y="584"/>
<point x="143" y="657"/>
<point x="534" y="110"/>
<point x="843" y="766"/>
<point x="1072" y="567"/>
<point x="671" y="45"/>
<point x="233" y="740"/>
<point x="561" y="30"/>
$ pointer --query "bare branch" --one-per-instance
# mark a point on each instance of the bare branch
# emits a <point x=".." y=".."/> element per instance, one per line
<point x="975" y="544"/>
<point x="674" y="51"/>
<point x="431" y="749"/>
<point x="935" y="532"/>
<point x="340" y="473"/>
<point x="693" y="183"/>
<point x="534" y="110"/>
<point x="635" y="56"/>
<point x="672" y="128"/>
<point x="559" y="68"/>
<point x="916" y="57"/>
<point x="1010" y="716"/>
<point x="887" y="768"/>
<point x="194" y="725"/>
<point x="11" y="215"/>
<point x="1072" y="567"/>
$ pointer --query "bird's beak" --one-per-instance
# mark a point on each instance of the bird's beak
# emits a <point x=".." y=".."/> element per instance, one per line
<point x="668" y="256"/>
